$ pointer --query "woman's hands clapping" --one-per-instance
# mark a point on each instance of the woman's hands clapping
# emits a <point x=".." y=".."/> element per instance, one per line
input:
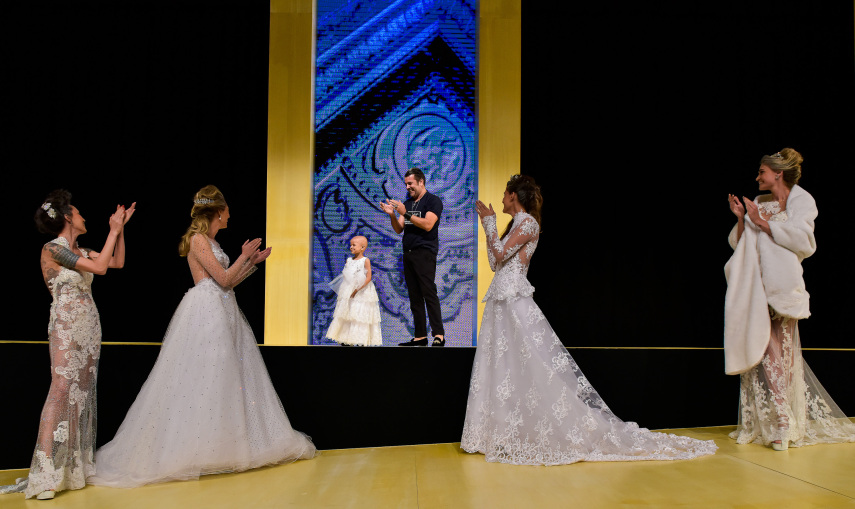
<point x="117" y="220"/>
<point x="736" y="206"/>
<point x="252" y="253"/>
<point x="130" y="212"/>
<point x="752" y="211"/>
<point x="483" y="210"/>
<point x="259" y="256"/>
<point x="250" y="247"/>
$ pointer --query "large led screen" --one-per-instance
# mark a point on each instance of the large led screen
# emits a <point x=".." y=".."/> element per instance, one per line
<point x="395" y="89"/>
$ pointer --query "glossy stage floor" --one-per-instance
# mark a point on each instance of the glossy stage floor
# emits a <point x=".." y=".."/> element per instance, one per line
<point x="443" y="476"/>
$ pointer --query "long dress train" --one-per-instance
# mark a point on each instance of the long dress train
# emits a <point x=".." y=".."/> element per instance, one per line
<point x="66" y="441"/>
<point x="529" y="403"/>
<point x="208" y="405"/>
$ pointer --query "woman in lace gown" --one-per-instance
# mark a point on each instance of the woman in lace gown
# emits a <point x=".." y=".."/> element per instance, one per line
<point x="66" y="440"/>
<point x="529" y="403"/>
<point x="781" y="403"/>
<point x="208" y="405"/>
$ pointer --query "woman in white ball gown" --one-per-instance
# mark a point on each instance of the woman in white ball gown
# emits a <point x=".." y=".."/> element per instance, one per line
<point x="529" y="403"/>
<point x="208" y="405"/>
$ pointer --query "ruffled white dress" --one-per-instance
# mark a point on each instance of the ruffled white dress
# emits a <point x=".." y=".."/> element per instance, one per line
<point x="529" y="403"/>
<point x="208" y="405"/>
<point x="356" y="320"/>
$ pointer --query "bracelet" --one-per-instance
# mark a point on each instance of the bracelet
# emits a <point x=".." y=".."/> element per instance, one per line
<point x="407" y="216"/>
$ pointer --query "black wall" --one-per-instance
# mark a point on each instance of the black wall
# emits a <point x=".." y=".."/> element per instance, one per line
<point x="637" y="120"/>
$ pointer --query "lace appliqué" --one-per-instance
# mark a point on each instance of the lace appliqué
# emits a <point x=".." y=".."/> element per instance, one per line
<point x="771" y="211"/>
<point x="536" y="407"/>
<point x="65" y="448"/>
<point x="781" y="398"/>
<point x="510" y="257"/>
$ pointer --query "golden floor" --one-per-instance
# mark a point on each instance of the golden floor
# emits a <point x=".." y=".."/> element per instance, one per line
<point x="441" y="475"/>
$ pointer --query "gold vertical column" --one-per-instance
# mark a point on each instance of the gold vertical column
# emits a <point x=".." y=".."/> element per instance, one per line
<point x="290" y="141"/>
<point x="499" y="114"/>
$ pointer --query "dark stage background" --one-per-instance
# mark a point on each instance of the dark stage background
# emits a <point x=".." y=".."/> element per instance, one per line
<point x="637" y="120"/>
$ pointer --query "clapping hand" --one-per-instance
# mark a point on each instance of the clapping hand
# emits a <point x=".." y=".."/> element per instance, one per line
<point x="736" y="206"/>
<point x="259" y="256"/>
<point x="397" y="206"/>
<point x="387" y="208"/>
<point x="130" y="212"/>
<point x="117" y="220"/>
<point x="484" y="210"/>
<point x="250" y="247"/>
<point x="751" y="209"/>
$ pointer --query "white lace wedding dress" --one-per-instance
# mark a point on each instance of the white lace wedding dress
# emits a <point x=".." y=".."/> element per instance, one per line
<point x="208" y="405"/>
<point x="529" y="403"/>
<point x="781" y="398"/>
<point x="356" y="320"/>
<point x="66" y="441"/>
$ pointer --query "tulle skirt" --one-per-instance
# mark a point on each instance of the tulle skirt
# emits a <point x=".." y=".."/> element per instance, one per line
<point x="356" y="321"/>
<point x="530" y="404"/>
<point x="208" y="405"/>
<point x="781" y="398"/>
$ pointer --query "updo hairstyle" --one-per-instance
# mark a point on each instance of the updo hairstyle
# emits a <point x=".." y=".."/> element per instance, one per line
<point x="528" y="195"/>
<point x="50" y="216"/>
<point x="787" y="162"/>
<point x="207" y="204"/>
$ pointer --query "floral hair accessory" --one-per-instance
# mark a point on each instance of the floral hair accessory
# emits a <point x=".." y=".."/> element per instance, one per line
<point x="203" y="201"/>
<point x="50" y="210"/>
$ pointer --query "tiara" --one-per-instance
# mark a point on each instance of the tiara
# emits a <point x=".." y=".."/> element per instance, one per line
<point x="203" y="201"/>
<point x="50" y="210"/>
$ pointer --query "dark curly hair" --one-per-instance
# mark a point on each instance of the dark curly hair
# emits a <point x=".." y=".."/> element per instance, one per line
<point x="57" y="202"/>
<point x="528" y="194"/>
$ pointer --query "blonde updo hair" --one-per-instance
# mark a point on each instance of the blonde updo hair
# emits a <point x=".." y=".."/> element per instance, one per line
<point x="787" y="162"/>
<point x="207" y="204"/>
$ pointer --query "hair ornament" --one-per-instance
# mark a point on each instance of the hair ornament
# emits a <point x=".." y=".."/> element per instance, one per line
<point x="203" y="201"/>
<point x="49" y="209"/>
<point x="777" y="155"/>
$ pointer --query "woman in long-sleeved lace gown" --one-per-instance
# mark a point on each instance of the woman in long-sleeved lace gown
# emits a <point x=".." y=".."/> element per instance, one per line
<point x="529" y="403"/>
<point x="781" y="402"/>
<point x="208" y="405"/>
<point x="66" y="439"/>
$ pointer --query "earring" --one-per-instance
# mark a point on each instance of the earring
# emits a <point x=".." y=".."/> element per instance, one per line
<point x="221" y="218"/>
<point x="777" y="177"/>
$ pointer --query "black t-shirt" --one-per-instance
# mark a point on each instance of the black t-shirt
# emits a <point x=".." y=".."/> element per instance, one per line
<point x="415" y="237"/>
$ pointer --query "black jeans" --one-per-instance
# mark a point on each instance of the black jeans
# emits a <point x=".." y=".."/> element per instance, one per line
<point x="420" y="273"/>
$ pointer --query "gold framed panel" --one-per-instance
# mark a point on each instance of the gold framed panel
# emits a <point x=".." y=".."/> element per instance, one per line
<point x="290" y="142"/>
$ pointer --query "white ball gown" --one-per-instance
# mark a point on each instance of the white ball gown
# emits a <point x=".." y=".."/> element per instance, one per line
<point x="529" y="403"/>
<point x="208" y="405"/>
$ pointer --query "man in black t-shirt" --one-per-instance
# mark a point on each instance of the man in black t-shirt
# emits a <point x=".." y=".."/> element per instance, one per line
<point x="419" y="220"/>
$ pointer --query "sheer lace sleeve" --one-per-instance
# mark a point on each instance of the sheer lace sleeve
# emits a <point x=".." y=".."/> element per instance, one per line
<point x="499" y="250"/>
<point x="200" y="250"/>
<point x="247" y="270"/>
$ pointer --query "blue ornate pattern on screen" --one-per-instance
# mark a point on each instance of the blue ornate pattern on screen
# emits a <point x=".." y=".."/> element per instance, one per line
<point x="395" y="89"/>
